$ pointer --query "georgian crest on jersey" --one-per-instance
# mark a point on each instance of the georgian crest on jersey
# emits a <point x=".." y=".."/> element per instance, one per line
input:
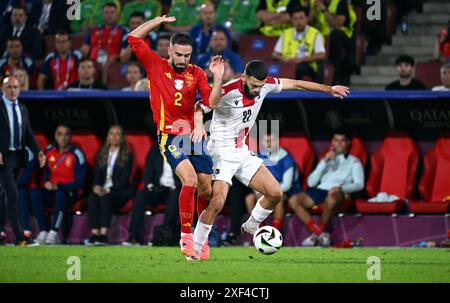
<point x="179" y="84"/>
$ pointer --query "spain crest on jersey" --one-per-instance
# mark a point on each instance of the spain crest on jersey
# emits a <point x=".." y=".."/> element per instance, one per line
<point x="179" y="84"/>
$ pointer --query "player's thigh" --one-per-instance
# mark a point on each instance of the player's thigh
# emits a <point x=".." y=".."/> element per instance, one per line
<point x="264" y="182"/>
<point x="186" y="172"/>
<point x="226" y="164"/>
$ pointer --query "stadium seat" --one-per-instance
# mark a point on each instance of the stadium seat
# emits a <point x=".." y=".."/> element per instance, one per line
<point x="429" y="73"/>
<point x="360" y="49"/>
<point x="299" y="146"/>
<point x="90" y="145"/>
<point x="434" y="186"/>
<point x="256" y="47"/>
<point x="359" y="17"/>
<point x="140" y="144"/>
<point x="391" y="15"/>
<point x="116" y="75"/>
<point x="77" y="40"/>
<point x="394" y="167"/>
<point x="281" y="69"/>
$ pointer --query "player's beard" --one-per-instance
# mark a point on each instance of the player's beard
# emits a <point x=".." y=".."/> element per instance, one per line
<point x="178" y="69"/>
<point x="248" y="93"/>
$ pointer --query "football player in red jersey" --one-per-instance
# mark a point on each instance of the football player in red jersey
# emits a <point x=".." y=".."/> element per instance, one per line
<point x="173" y="84"/>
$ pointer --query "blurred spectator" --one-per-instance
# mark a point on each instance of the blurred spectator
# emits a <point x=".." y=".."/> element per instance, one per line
<point x="49" y="16"/>
<point x="187" y="14"/>
<point x="25" y="203"/>
<point x="142" y="85"/>
<point x="336" y="18"/>
<point x="112" y="184"/>
<point x="337" y="175"/>
<point x="64" y="177"/>
<point x="274" y="16"/>
<point x="405" y="68"/>
<point x="91" y="15"/>
<point x="149" y="8"/>
<point x="134" y="74"/>
<point x="86" y="72"/>
<point x="403" y="9"/>
<point x="302" y="45"/>
<point x="31" y="38"/>
<point x="445" y="78"/>
<point x="283" y="167"/>
<point x="219" y="46"/>
<point x="22" y="76"/>
<point x="135" y="20"/>
<point x="160" y="186"/>
<point x="14" y="58"/>
<point x="103" y="44"/>
<point x="376" y="31"/>
<point x="239" y="16"/>
<point x="162" y="46"/>
<point x="60" y="67"/>
<point x="202" y="33"/>
<point x="442" y="45"/>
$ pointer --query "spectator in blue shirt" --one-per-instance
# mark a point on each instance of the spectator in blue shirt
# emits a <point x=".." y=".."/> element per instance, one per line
<point x="219" y="46"/>
<point x="202" y="33"/>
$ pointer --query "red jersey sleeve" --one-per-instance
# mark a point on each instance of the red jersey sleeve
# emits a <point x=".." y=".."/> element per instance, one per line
<point x="203" y="86"/>
<point x="145" y="55"/>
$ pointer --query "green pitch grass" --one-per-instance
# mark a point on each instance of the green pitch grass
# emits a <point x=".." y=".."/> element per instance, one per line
<point x="243" y="264"/>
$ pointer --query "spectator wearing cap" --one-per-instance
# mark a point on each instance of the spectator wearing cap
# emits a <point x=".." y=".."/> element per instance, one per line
<point x="405" y="68"/>
<point x="445" y="79"/>
<point x="104" y="43"/>
<point x="29" y="36"/>
<point x="187" y="14"/>
<point x="202" y="33"/>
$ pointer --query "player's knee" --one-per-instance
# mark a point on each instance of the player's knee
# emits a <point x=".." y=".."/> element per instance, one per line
<point x="275" y="194"/>
<point x="216" y="204"/>
<point x="189" y="180"/>
<point x="205" y="192"/>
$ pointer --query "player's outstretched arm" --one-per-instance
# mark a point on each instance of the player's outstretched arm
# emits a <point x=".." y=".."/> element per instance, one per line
<point x="199" y="129"/>
<point x="337" y="91"/>
<point x="143" y="30"/>
<point x="217" y="68"/>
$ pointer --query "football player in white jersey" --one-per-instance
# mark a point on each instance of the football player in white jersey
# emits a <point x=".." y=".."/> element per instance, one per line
<point x="234" y="114"/>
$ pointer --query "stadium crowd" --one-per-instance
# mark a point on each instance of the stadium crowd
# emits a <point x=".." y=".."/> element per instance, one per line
<point x="44" y="50"/>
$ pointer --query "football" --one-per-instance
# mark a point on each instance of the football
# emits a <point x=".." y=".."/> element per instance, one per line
<point x="267" y="240"/>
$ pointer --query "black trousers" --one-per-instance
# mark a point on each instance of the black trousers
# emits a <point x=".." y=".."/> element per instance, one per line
<point x="9" y="199"/>
<point x="342" y="67"/>
<point x="305" y="69"/>
<point x="145" y="197"/>
<point x="100" y="209"/>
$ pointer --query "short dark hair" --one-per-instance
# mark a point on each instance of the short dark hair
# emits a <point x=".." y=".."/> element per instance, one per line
<point x="405" y="59"/>
<point x="256" y="69"/>
<point x="298" y="9"/>
<point x="342" y="132"/>
<point x="137" y="14"/>
<point x="63" y="125"/>
<point x="181" y="39"/>
<point x="62" y="32"/>
<point x="85" y="60"/>
<point x="110" y="4"/>
<point x="13" y="38"/>
<point x="20" y="7"/>
<point x="163" y="37"/>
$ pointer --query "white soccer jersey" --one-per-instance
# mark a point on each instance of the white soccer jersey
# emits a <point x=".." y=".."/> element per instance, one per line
<point x="236" y="113"/>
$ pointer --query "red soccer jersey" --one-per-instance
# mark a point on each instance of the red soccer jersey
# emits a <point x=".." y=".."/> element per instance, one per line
<point x="172" y="95"/>
<point x="108" y="38"/>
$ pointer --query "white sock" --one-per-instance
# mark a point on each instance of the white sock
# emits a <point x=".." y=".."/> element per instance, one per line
<point x="201" y="234"/>
<point x="258" y="215"/>
<point x="185" y="234"/>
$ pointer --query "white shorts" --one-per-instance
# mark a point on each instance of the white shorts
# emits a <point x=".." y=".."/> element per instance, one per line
<point x="232" y="162"/>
